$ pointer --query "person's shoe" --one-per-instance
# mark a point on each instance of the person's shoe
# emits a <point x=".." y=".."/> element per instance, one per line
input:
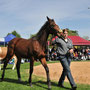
<point x="74" y="87"/>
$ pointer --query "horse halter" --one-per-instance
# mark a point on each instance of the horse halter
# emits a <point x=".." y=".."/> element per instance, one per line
<point x="53" y="27"/>
<point x="56" y="30"/>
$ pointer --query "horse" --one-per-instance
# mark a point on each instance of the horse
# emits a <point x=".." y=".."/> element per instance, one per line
<point x="3" y="53"/>
<point x="33" y="49"/>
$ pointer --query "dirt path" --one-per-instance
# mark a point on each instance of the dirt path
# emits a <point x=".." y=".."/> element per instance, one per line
<point x="80" y="71"/>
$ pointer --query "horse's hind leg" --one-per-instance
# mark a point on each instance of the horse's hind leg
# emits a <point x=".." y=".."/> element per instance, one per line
<point x="31" y="71"/>
<point x="43" y="61"/>
<point x="4" y="67"/>
<point x="18" y="68"/>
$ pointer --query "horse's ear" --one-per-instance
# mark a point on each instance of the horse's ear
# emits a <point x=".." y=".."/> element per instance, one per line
<point x="48" y="18"/>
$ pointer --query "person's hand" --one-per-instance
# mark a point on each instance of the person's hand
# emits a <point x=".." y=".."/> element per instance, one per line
<point x="71" y="50"/>
<point x="58" y="34"/>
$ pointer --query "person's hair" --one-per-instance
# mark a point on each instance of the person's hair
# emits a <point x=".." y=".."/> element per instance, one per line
<point x="65" y="30"/>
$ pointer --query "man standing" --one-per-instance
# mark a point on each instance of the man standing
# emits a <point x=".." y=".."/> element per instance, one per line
<point x="65" y="50"/>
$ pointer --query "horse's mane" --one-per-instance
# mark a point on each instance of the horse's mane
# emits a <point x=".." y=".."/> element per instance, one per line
<point x="39" y="33"/>
<point x="42" y="35"/>
<point x="43" y="28"/>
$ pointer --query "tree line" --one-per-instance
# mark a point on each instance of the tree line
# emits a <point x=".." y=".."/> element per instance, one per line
<point x="70" y="33"/>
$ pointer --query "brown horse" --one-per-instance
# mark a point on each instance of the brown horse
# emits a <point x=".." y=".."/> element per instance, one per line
<point x="32" y="49"/>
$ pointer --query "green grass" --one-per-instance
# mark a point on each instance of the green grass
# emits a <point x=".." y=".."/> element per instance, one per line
<point x="11" y="83"/>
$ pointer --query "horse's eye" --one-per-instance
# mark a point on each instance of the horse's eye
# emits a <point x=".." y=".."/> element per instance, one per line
<point x="53" y="20"/>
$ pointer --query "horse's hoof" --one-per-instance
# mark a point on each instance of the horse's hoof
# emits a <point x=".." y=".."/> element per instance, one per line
<point x="1" y="80"/>
<point x="19" y="80"/>
<point x="30" y="84"/>
<point x="49" y="86"/>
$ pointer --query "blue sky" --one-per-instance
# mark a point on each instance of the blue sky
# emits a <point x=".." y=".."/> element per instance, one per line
<point x="28" y="16"/>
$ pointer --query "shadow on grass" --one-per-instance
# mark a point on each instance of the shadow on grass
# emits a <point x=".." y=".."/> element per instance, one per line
<point x="6" y="68"/>
<point x="36" y="83"/>
<point x="52" y="84"/>
<point x="14" y="81"/>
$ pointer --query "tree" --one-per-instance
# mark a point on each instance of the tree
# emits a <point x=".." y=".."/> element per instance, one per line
<point x="72" y="32"/>
<point x="15" y="33"/>
<point x="32" y="35"/>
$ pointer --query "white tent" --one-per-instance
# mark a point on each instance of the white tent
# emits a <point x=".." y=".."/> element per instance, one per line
<point x="2" y="41"/>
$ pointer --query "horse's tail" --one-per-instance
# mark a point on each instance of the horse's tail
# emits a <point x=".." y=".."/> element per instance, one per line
<point x="11" y="48"/>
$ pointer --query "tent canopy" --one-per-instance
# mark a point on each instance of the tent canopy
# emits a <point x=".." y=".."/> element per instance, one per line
<point x="9" y="37"/>
<point x="77" y="40"/>
<point x="6" y="39"/>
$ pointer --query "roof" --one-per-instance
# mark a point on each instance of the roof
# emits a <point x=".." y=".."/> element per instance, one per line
<point x="77" y="40"/>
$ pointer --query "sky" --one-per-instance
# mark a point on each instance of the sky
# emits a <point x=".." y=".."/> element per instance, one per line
<point x="28" y="16"/>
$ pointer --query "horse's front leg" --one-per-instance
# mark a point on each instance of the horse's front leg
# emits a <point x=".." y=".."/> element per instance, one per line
<point x="43" y="61"/>
<point x="18" y="68"/>
<point x="31" y="71"/>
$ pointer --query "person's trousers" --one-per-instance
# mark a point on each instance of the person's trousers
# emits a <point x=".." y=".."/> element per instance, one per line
<point x="65" y="61"/>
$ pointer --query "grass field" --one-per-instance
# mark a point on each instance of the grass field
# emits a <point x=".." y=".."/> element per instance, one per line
<point x="11" y="83"/>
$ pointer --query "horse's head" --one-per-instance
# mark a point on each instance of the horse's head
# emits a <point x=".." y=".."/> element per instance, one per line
<point x="53" y="27"/>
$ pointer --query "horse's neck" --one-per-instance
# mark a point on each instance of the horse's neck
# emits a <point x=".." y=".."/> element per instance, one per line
<point x="43" y="38"/>
<point x="42" y="35"/>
